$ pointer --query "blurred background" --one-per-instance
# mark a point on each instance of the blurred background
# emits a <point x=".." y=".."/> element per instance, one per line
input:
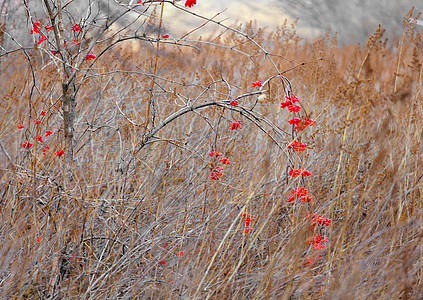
<point x="352" y="20"/>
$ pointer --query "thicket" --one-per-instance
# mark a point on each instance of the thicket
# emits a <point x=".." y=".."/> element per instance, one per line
<point x="139" y="204"/>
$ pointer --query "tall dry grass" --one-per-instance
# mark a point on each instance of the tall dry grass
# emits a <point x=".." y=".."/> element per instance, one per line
<point x="105" y="234"/>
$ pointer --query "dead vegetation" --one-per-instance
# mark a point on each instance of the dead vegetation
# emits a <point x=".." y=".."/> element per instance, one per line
<point x="105" y="234"/>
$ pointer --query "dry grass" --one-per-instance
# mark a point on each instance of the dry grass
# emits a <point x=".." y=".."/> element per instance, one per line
<point x="104" y="232"/>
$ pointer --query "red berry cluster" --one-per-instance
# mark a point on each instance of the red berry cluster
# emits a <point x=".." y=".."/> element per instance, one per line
<point x="76" y="28"/>
<point x="301" y="124"/>
<point x="308" y="261"/>
<point x="318" y="242"/>
<point x="190" y="3"/>
<point x="39" y="138"/>
<point x="45" y="149"/>
<point x="216" y="171"/>
<point x="257" y="83"/>
<point x="290" y="104"/>
<point x="27" y="145"/>
<point x="297" y="146"/>
<point x="36" y="28"/>
<point x="299" y="193"/>
<point x="90" y="56"/>
<point x="248" y="219"/>
<point x="318" y="219"/>
<point x="60" y="152"/>
<point x="235" y="125"/>
<point x="296" y="172"/>
<point x="181" y="254"/>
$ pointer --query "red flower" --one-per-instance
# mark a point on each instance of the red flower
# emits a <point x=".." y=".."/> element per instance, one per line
<point x="27" y="145"/>
<point x="257" y="83"/>
<point x="37" y="122"/>
<point x="20" y="126"/>
<point x="90" y="56"/>
<point x="40" y="139"/>
<point x="162" y="262"/>
<point x="39" y="238"/>
<point x="225" y="161"/>
<point x="43" y="113"/>
<point x="54" y="52"/>
<point x="233" y="102"/>
<point x="49" y="132"/>
<point x="76" y="28"/>
<point x="42" y="39"/>
<point x="49" y="27"/>
<point x="235" y="125"/>
<point x="139" y="1"/>
<point x="190" y="3"/>
<point x="164" y="36"/>
<point x="60" y="152"/>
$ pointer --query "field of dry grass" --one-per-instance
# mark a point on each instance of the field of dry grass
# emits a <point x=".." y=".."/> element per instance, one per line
<point x="149" y="223"/>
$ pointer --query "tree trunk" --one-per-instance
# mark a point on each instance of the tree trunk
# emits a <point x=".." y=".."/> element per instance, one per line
<point x="68" y="107"/>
